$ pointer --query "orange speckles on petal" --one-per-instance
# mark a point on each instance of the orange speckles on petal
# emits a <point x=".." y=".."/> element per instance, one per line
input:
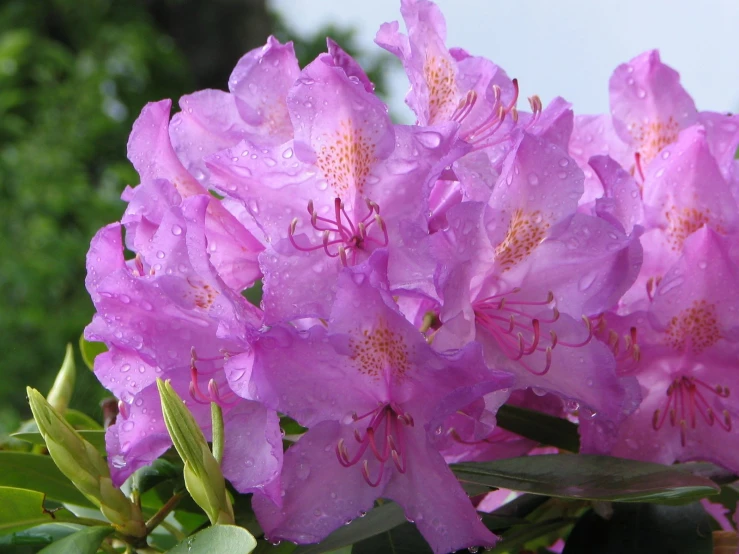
<point x="275" y="116"/>
<point x="346" y="159"/>
<point x="202" y="295"/>
<point x="439" y="74"/>
<point x="525" y="232"/>
<point x="683" y="222"/>
<point x="653" y="136"/>
<point x="694" y="329"/>
<point x="380" y="350"/>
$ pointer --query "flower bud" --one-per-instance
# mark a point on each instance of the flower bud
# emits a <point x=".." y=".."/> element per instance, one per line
<point x="203" y="477"/>
<point x="61" y="391"/>
<point x="82" y="464"/>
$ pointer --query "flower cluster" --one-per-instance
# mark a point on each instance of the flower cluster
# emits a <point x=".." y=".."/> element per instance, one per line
<point x="417" y="277"/>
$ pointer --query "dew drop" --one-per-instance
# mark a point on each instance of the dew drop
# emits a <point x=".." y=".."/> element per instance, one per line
<point x="176" y="230"/>
<point x="430" y="139"/>
<point x="287" y="154"/>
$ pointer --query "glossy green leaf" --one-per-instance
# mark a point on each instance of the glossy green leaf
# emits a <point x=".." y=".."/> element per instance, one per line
<point x="37" y="537"/>
<point x="218" y="539"/>
<point x="38" y="473"/>
<point x="403" y="539"/>
<point x="643" y="529"/>
<point x="84" y="541"/>
<point x="21" y="509"/>
<point x="94" y="437"/>
<point x="588" y="477"/>
<point x="81" y="421"/>
<point x="523" y="535"/>
<point x="91" y="349"/>
<point x="542" y="428"/>
<point x="378" y="520"/>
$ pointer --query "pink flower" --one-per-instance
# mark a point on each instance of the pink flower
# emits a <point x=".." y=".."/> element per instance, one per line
<point x="167" y="314"/>
<point x="371" y="399"/>
<point x="349" y="183"/>
<point x="649" y="109"/>
<point x="254" y="108"/>
<point x="232" y="249"/>
<point x="688" y="344"/>
<point x="522" y="275"/>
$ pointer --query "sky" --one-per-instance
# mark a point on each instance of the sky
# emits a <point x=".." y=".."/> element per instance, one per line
<point x="565" y="48"/>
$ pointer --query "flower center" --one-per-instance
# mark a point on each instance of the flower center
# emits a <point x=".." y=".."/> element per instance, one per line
<point x="518" y="333"/>
<point x="694" y="329"/>
<point x="342" y="236"/>
<point x="212" y="394"/>
<point x="383" y="438"/>
<point x="653" y="136"/>
<point x="525" y="232"/>
<point x="687" y="402"/>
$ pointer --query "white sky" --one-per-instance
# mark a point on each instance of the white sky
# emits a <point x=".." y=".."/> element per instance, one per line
<point x="566" y="47"/>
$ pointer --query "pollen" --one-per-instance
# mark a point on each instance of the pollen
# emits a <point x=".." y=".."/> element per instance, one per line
<point x="653" y="136"/>
<point x="202" y="295"/>
<point x="439" y="74"/>
<point x="683" y="222"/>
<point x="380" y="350"/>
<point x="346" y="159"/>
<point x="525" y="233"/>
<point x="695" y="328"/>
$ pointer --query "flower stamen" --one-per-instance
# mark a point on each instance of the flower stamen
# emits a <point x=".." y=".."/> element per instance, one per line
<point x="383" y="437"/>
<point x="686" y="401"/>
<point x="347" y="235"/>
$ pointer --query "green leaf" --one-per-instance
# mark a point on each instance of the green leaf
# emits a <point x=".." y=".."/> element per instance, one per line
<point x="38" y="536"/>
<point x="91" y="349"/>
<point x="523" y="535"/>
<point x="96" y="438"/>
<point x="85" y="541"/>
<point x="404" y="539"/>
<point x="588" y="477"/>
<point x="20" y="509"/>
<point x="643" y="529"/>
<point x="378" y="520"/>
<point x="218" y="539"/>
<point x="542" y="428"/>
<point x="38" y="473"/>
<point x="81" y="421"/>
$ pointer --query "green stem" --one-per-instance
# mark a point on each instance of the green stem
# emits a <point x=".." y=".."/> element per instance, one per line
<point x="176" y="533"/>
<point x="216" y="416"/>
<point x="163" y="512"/>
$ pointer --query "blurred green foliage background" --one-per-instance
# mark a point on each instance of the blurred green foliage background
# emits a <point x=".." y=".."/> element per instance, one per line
<point x="74" y="75"/>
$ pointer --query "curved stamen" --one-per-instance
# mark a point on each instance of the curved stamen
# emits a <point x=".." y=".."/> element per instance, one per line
<point x="686" y="401"/>
<point x="383" y="437"/>
<point x="500" y="315"/>
<point x="346" y="234"/>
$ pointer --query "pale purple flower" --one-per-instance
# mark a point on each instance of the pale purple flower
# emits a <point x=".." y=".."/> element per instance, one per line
<point x="167" y="314"/>
<point x="372" y="393"/>
<point x="232" y="248"/>
<point x="687" y="346"/>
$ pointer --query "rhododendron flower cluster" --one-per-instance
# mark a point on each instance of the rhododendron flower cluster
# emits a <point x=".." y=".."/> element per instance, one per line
<point x="417" y="277"/>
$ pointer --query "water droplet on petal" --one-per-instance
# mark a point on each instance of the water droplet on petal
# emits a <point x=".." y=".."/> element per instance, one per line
<point x="430" y="139"/>
<point x="176" y="230"/>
